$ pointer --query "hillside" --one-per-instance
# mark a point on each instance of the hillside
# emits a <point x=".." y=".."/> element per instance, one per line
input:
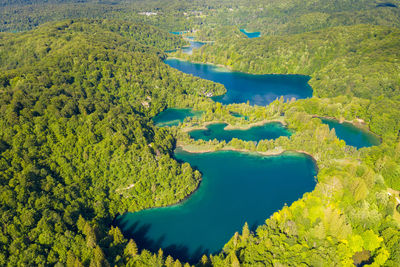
<point x="77" y="144"/>
<point x="268" y="16"/>
<point x="360" y="60"/>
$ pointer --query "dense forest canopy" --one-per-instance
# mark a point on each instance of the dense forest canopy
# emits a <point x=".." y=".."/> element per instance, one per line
<point x="77" y="144"/>
<point x="78" y="147"/>
<point x="267" y="16"/>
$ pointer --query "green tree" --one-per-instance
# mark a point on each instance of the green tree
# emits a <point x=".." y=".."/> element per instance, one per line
<point x="131" y="249"/>
<point x="245" y="232"/>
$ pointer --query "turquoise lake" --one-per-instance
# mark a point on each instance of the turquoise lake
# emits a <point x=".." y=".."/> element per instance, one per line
<point x="251" y="34"/>
<point x="189" y="49"/>
<point x="236" y="188"/>
<point x="242" y="88"/>
<point x="216" y="131"/>
<point x="351" y="134"/>
<point x="174" y="116"/>
<point x="193" y="45"/>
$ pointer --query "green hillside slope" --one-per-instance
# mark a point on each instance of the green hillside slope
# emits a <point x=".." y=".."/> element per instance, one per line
<point x="76" y="142"/>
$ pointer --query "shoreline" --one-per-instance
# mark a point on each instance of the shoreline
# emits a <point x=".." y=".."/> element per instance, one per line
<point x="195" y="190"/>
<point x="207" y="63"/>
<point x="229" y="69"/>
<point x="235" y="127"/>
<point x="359" y="123"/>
<point x="255" y="124"/>
<point x="280" y="151"/>
<point x="277" y="152"/>
<point x="170" y="205"/>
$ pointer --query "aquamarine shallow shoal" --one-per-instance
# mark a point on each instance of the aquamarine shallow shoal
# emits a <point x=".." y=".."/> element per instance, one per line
<point x="251" y="34"/>
<point x="242" y="88"/>
<point x="217" y="131"/>
<point x="174" y="116"/>
<point x="351" y="134"/>
<point x="236" y="188"/>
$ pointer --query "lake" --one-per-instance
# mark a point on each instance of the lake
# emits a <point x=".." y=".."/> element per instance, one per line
<point x="217" y="131"/>
<point x="188" y="49"/>
<point x="174" y="116"/>
<point x="251" y="34"/>
<point x="242" y="87"/>
<point x="352" y="135"/>
<point x="193" y="45"/>
<point x="236" y="188"/>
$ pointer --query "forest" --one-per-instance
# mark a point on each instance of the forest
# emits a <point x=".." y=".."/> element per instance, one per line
<point x="77" y="144"/>
<point x="80" y="82"/>
<point x="269" y="17"/>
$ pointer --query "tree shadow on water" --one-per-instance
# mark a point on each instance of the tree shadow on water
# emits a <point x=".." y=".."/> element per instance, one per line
<point x="182" y="253"/>
<point x="253" y="227"/>
<point x="139" y="232"/>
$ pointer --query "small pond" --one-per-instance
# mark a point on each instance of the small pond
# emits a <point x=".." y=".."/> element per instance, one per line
<point x="352" y="135"/>
<point x="174" y="116"/>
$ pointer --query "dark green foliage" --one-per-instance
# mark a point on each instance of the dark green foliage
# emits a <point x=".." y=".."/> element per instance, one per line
<point x="269" y="17"/>
<point x="76" y="141"/>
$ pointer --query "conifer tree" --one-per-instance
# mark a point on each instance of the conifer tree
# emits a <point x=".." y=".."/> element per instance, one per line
<point x="131" y="249"/>
<point x="245" y="232"/>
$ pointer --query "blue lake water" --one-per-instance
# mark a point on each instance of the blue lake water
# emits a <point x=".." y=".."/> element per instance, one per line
<point x="193" y="45"/>
<point x="174" y="116"/>
<point x="251" y="34"/>
<point x="242" y="88"/>
<point x="217" y="131"/>
<point x="188" y="49"/>
<point x="236" y="188"/>
<point x="351" y="134"/>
